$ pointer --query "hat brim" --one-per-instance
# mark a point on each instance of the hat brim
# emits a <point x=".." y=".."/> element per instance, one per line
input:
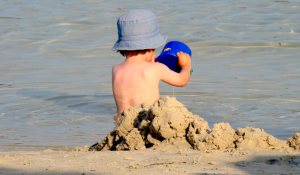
<point x="149" y="43"/>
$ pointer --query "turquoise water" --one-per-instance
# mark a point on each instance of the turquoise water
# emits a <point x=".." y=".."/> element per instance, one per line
<point x="56" y="60"/>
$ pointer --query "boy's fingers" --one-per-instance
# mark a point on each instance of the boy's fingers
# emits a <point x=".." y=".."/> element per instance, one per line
<point x="179" y="54"/>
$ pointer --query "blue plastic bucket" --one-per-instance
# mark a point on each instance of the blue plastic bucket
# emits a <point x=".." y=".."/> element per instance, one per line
<point x="168" y="56"/>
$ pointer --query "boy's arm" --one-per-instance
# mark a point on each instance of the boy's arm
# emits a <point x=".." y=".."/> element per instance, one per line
<point x="174" y="78"/>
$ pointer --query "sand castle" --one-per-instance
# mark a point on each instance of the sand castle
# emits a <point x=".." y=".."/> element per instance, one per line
<point x="167" y="121"/>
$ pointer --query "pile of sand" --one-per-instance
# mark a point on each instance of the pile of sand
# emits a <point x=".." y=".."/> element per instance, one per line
<point x="167" y="121"/>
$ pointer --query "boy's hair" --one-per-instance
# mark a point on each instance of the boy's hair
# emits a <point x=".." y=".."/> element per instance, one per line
<point x="130" y="53"/>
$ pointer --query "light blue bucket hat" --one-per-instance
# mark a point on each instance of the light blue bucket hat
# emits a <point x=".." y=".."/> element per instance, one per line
<point x="138" y="30"/>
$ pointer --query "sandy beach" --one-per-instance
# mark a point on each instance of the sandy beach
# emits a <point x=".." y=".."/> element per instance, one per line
<point x="150" y="161"/>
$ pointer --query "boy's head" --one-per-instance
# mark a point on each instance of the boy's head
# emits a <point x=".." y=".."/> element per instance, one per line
<point x="138" y="32"/>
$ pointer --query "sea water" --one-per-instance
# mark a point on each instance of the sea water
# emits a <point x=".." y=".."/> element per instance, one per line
<point x="56" y="61"/>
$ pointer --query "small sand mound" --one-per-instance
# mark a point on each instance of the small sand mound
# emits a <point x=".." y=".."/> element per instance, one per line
<point x="221" y="137"/>
<point x="294" y="142"/>
<point x="257" y="138"/>
<point x="197" y="132"/>
<point x="167" y="122"/>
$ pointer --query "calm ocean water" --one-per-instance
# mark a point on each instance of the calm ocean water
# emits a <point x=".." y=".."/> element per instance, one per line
<point x="56" y="60"/>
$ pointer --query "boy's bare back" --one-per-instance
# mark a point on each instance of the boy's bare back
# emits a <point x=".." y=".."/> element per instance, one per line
<point x="136" y="80"/>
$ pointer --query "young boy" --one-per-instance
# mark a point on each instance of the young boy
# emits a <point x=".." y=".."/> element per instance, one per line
<point x="136" y="80"/>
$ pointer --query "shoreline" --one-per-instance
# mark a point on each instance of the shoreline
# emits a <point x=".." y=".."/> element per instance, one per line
<point x="16" y="148"/>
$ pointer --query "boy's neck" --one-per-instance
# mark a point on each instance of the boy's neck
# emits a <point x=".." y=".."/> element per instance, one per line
<point x="136" y="58"/>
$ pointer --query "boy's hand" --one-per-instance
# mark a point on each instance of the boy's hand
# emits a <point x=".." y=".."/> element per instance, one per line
<point x="184" y="59"/>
